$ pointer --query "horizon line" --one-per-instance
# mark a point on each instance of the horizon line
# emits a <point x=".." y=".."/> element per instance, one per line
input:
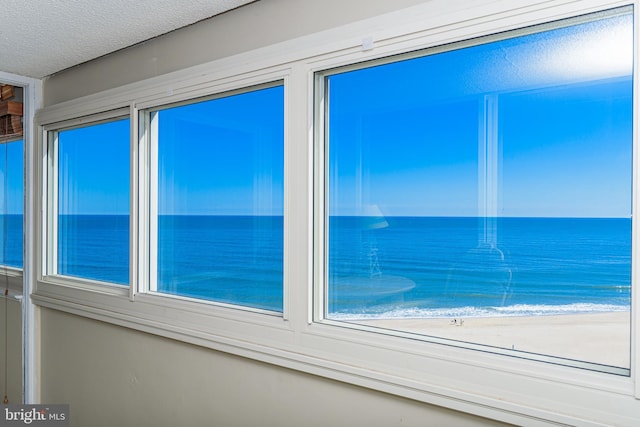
<point x="359" y="216"/>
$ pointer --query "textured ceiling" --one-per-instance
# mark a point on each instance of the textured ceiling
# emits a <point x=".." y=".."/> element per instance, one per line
<point x="41" y="37"/>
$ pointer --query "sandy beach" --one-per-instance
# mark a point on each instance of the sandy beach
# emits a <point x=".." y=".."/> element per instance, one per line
<point x="602" y="338"/>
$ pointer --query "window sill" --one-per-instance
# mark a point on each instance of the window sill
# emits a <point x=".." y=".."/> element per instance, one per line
<point x="12" y="279"/>
<point x="485" y="384"/>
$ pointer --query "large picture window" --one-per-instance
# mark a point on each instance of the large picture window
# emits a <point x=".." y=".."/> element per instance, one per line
<point x="218" y="202"/>
<point x="91" y="237"/>
<point x="482" y="194"/>
<point x="435" y="203"/>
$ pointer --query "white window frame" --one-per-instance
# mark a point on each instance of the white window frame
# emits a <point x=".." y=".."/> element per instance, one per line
<point x="49" y="269"/>
<point x="24" y="280"/>
<point x="496" y="386"/>
<point x="148" y="167"/>
<point x="487" y="188"/>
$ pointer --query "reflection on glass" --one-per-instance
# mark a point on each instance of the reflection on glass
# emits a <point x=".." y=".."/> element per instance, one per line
<point x="503" y="183"/>
<point x="11" y="203"/>
<point x="93" y="202"/>
<point x="220" y="199"/>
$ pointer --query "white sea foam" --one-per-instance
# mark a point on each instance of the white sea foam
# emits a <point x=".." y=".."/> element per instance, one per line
<point x="504" y="311"/>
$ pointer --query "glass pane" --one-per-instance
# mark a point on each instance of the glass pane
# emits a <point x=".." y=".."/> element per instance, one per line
<point x="11" y="202"/>
<point x="93" y="202"/>
<point x="484" y="194"/>
<point x="220" y="199"/>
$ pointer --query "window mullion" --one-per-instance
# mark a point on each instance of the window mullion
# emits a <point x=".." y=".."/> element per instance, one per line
<point x="51" y="255"/>
<point x="320" y="190"/>
<point x="135" y="223"/>
<point x="151" y="198"/>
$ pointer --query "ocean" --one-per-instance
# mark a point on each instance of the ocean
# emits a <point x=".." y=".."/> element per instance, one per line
<point x="456" y="267"/>
<point x="11" y="244"/>
<point x="389" y="268"/>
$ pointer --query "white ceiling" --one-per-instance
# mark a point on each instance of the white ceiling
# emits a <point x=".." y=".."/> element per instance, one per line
<point x="41" y="37"/>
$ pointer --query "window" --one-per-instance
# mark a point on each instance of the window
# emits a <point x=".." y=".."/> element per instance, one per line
<point x="483" y="193"/>
<point x="92" y="202"/>
<point x="218" y="207"/>
<point x="445" y="221"/>
<point x="12" y="202"/>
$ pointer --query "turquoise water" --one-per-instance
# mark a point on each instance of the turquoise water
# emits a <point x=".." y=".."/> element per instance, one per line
<point x="407" y="267"/>
<point x="475" y="267"/>
<point x="11" y="242"/>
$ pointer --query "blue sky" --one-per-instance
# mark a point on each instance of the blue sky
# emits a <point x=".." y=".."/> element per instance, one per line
<point x="219" y="157"/>
<point x="405" y="137"/>
<point x="94" y="169"/>
<point x="224" y="156"/>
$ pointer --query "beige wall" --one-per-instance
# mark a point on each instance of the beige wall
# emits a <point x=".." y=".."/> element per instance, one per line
<point x="259" y="24"/>
<point x="113" y="376"/>
<point x="13" y="310"/>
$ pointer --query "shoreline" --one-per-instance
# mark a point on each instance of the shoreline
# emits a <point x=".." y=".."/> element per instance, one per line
<point x="602" y="338"/>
